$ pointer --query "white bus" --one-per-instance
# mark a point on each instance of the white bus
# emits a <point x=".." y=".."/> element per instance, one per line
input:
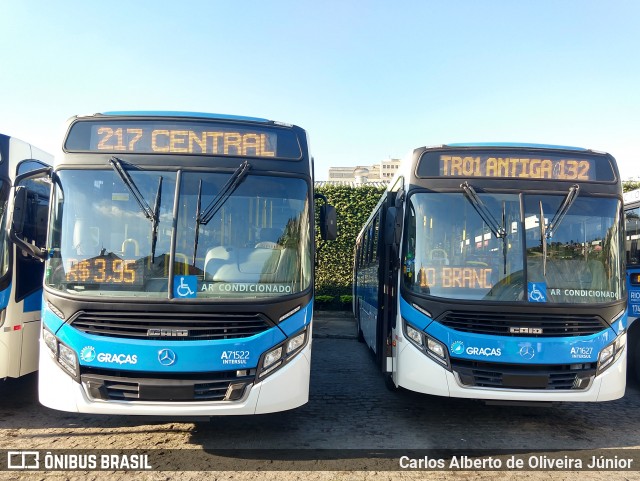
<point x="20" y="274"/>
<point x="179" y="266"/>
<point x="495" y="272"/>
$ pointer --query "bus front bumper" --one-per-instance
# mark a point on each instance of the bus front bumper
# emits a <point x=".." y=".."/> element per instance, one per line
<point x="419" y="373"/>
<point x="285" y="389"/>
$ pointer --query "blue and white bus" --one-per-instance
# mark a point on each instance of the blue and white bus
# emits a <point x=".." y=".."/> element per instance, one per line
<point x="632" y="237"/>
<point x="20" y="274"/>
<point x="495" y="272"/>
<point x="179" y="266"/>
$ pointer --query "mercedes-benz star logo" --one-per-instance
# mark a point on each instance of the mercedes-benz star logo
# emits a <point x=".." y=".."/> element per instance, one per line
<point x="166" y="357"/>
<point x="527" y="352"/>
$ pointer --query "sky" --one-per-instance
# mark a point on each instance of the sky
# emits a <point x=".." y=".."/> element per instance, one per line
<point x="368" y="80"/>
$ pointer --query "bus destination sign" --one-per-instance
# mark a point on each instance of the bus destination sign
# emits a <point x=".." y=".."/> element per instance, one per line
<point x="517" y="166"/>
<point x="190" y="139"/>
<point x="183" y="137"/>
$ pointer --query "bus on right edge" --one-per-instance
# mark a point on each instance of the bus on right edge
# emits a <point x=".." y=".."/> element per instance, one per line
<point x="496" y="272"/>
<point x="632" y="236"/>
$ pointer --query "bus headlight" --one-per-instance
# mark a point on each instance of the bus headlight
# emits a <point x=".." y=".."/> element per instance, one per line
<point x="50" y="341"/>
<point x="61" y="353"/>
<point x="68" y="359"/>
<point x="272" y="357"/>
<point x="436" y="348"/>
<point x="296" y="342"/>
<point x="427" y="344"/>
<point x="415" y="336"/>
<point x="282" y="353"/>
<point x="611" y="353"/>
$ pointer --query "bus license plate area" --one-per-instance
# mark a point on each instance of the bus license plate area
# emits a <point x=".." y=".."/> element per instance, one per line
<point x="525" y="381"/>
<point x="155" y="392"/>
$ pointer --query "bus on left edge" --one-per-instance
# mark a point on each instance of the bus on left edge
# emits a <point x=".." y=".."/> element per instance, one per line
<point x="21" y="274"/>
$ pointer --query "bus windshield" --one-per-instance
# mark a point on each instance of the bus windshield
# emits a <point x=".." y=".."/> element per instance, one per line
<point x="451" y="250"/>
<point x="111" y="234"/>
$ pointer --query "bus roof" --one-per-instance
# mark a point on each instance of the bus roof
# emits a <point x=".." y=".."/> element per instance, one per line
<point x="173" y="113"/>
<point x="517" y="145"/>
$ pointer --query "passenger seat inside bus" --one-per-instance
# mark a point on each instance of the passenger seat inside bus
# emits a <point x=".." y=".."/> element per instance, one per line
<point x="86" y="238"/>
<point x="245" y="264"/>
<point x="269" y="237"/>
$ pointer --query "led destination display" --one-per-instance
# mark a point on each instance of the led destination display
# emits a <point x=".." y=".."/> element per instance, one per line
<point x="183" y="138"/>
<point x="523" y="167"/>
<point x="492" y="164"/>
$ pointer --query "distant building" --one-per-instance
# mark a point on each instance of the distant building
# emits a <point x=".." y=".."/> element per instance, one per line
<point x="365" y="174"/>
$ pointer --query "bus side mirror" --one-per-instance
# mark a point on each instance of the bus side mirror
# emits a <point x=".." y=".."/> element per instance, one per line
<point x="328" y="222"/>
<point x="28" y="214"/>
<point x="19" y="215"/>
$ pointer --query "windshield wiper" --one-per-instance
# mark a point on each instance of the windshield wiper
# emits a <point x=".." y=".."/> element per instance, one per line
<point x="498" y="230"/>
<point x="156" y="219"/>
<point x="562" y="210"/>
<point x="547" y="232"/>
<point x="152" y="214"/>
<point x="204" y="217"/>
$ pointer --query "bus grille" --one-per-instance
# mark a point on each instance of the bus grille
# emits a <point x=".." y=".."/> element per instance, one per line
<point x="170" y="326"/>
<point x="516" y="376"/>
<point x="499" y="324"/>
<point x="211" y="386"/>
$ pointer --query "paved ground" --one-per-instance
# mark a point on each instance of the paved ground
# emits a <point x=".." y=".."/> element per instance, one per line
<point x="349" y="411"/>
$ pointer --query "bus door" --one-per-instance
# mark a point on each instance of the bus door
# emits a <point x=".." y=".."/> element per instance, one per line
<point x="388" y="272"/>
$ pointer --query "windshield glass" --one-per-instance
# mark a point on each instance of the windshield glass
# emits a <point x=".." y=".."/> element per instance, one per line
<point x="451" y="252"/>
<point x="258" y="242"/>
<point x="583" y="259"/>
<point x="101" y="241"/>
<point x="632" y="224"/>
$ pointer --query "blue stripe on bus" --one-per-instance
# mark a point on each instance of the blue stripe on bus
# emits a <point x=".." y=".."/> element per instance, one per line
<point x="191" y="356"/>
<point x="33" y="302"/>
<point x="414" y="316"/>
<point x="203" y="115"/>
<point x="516" y="350"/>
<point x="5" y="295"/>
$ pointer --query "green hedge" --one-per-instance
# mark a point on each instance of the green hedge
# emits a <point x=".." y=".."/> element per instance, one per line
<point x="334" y="270"/>
<point x="630" y="185"/>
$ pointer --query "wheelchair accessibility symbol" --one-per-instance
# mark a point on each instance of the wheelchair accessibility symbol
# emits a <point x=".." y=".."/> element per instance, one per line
<point x="185" y="287"/>
<point x="537" y="292"/>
